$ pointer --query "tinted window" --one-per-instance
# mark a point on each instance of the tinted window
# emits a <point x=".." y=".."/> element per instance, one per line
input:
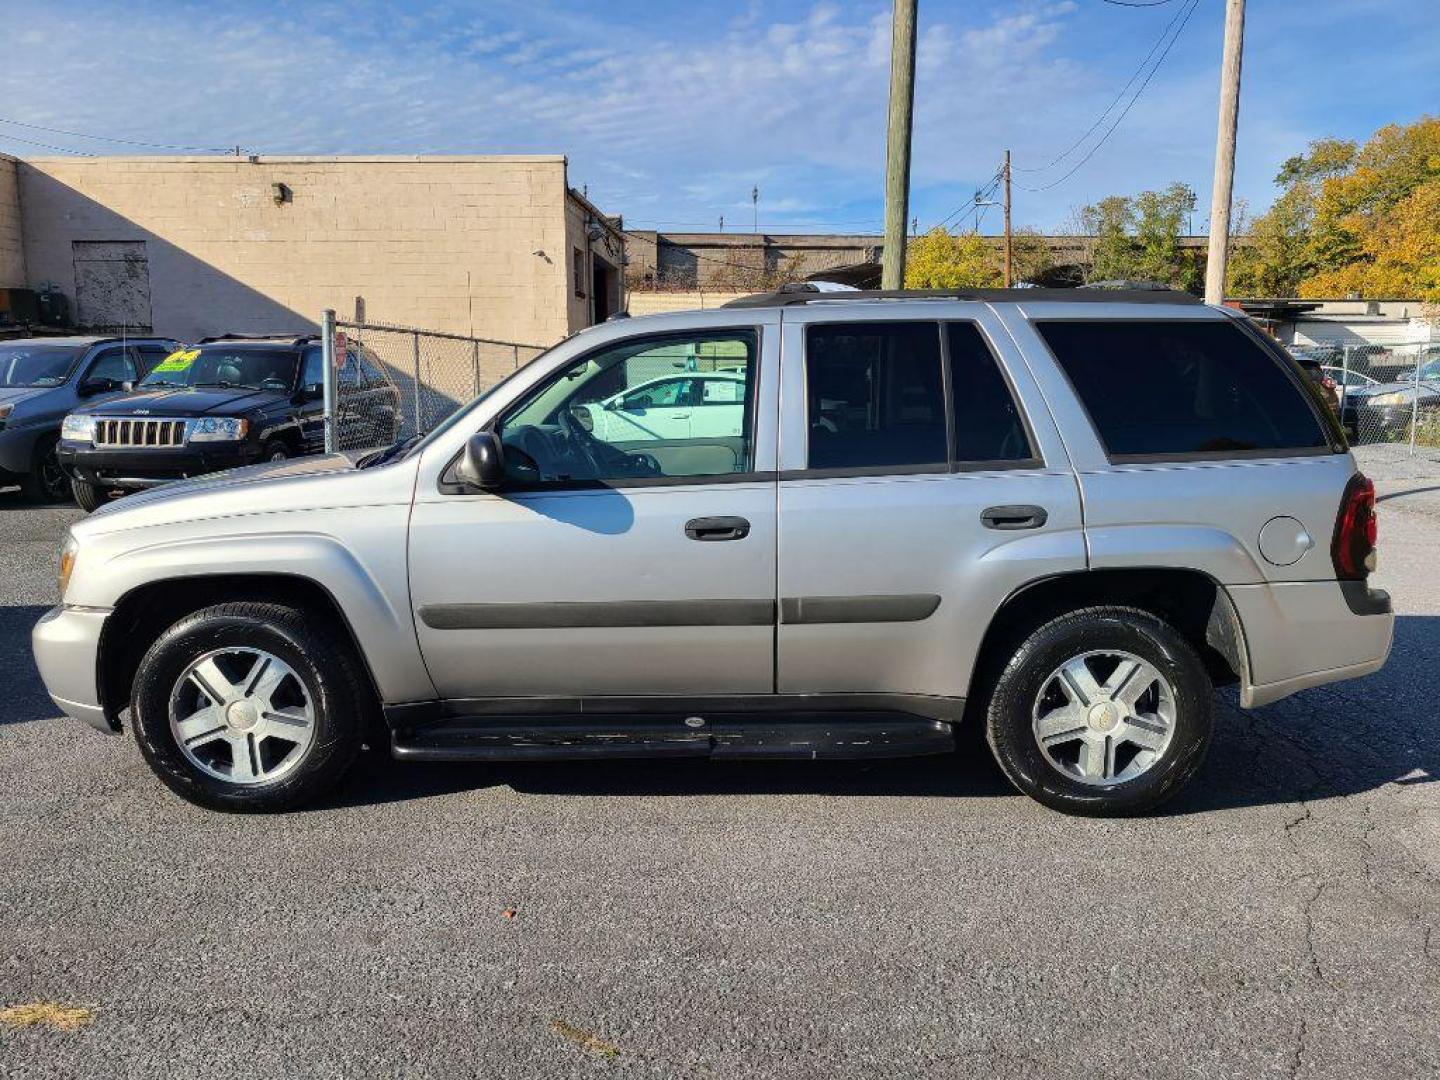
<point x="874" y="395"/>
<point x="150" y="355"/>
<point x="36" y="365"/>
<point x="988" y="426"/>
<point x="622" y="412"/>
<point x="117" y="365"/>
<point x="1182" y="387"/>
<point x="314" y="370"/>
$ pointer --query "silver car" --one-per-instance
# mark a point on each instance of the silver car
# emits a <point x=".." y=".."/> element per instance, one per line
<point x="1062" y="516"/>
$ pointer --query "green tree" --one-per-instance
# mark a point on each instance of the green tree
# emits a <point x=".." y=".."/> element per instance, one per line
<point x="942" y="260"/>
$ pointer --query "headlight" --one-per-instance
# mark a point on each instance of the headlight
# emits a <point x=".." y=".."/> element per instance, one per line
<point x="78" y="428"/>
<point x="219" y="429"/>
<point x="1395" y="397"/>
<point x="67" y="562"/>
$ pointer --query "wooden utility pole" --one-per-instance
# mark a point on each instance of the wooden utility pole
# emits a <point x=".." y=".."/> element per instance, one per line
<point x="1224" y="186"/>
<point x="1009" y="246"/>
<point x="897" y="143"/>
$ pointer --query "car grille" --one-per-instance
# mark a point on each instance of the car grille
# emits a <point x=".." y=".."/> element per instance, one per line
<point x="140" y="433"/>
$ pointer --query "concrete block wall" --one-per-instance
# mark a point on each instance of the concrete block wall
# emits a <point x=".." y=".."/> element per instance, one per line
<point x="461" y="244"/>
<point x="12" y="253"/>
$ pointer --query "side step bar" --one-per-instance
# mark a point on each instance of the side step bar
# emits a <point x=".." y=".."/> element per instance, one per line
<point x="805" y="736"/>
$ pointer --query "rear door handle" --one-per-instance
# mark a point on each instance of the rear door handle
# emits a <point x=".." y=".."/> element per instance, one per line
<point x="1014" y="517"/>
<point x="717" y="528"/>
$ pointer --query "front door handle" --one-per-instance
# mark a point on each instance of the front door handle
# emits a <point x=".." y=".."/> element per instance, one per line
<point x="717" y="528"/>
<point x="1014" y="517"/>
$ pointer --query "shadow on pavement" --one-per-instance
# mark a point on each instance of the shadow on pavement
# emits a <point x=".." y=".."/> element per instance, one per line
<point x="1329" y="742"/>
<point x="24" y="696"/>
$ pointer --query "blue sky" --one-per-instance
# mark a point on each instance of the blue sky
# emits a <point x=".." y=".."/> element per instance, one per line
<point x="671" y="111"/>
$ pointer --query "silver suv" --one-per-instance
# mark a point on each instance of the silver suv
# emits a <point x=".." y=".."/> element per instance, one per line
<point x="1064" y="516"/>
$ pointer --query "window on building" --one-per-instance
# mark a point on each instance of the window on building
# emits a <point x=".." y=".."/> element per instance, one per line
<point x="579" y="273"/>
<point x="874" y="394"/>
<point x="1182" y="387"/>
<point x="988" y="425"/>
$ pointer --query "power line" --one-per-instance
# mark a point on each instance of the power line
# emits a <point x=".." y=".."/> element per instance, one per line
<point x="1101" y="118"/>
<point x="108" y="138"/>
<point x="1139" y="3"/>
<point x="980" y="194"/>
<point x="1125" y="112"/>
<point x="5" y="135"/>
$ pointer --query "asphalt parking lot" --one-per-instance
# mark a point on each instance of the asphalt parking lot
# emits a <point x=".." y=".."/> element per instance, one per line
<point x="684" y="919"/>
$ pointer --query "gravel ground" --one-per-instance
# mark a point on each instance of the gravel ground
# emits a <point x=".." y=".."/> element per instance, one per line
<point x="683" y="919"/>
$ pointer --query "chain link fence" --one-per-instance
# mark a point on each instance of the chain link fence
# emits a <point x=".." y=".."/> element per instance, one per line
<point x="399" y="381"/>
<point x="1386" y="393"/>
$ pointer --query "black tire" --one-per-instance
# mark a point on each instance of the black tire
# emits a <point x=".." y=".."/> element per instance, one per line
<point x="46" y="481"/>
<point x="275" y="450"/>
<point x="324" y="661"/>
<point x="1009" y="719"/>
<point x="88" y="496"/>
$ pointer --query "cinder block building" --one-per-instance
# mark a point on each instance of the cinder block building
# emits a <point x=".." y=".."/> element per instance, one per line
<point x="492" y="246"/>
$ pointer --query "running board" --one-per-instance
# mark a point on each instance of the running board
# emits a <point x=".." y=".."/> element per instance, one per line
<point x="802" y="736"/>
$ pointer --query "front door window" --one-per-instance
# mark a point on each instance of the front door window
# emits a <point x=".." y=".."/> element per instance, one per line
<point x="655" y="407"/>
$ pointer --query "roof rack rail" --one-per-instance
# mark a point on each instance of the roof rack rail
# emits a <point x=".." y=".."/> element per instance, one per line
<point x="802" y="292"/>
<point x="296" y="339"/>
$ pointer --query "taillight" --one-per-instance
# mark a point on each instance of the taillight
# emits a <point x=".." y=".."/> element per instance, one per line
<point x="1353" y="550"/>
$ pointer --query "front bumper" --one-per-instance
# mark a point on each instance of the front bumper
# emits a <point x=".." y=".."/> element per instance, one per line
<point x="1300" y="634"/>
<point x="66" y="642"/>
<point x="139" y="467"/>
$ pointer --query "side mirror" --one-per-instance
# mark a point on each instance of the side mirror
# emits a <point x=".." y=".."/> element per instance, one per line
<point x="482" y="465"/>
<point x="95" y="385"/>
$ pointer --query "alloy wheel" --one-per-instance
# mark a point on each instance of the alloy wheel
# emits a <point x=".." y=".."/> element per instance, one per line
<point x="242" y="715"/>
<point x="1104" y="717"/>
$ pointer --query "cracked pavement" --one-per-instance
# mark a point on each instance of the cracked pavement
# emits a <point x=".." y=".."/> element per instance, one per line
<point x="912" y="918"/>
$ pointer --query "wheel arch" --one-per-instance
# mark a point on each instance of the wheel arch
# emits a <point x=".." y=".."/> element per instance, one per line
<point x="1191" y="601"/>
<point x="146" y="611"/>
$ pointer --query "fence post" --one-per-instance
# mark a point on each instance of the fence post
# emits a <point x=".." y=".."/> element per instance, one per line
<point x="415" y="342"/>
<point x="1415" y="403"/>
<point x="475" y="361"/>
<point x="327" y="376"/>
<point x="1345" y="391"/>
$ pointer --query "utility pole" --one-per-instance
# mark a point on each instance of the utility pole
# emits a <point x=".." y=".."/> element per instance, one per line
<point x="1009" y="248"/>
<point x="1224" y="186"/>
<point x="755" y="208"/>
<point x="897" y="142"/>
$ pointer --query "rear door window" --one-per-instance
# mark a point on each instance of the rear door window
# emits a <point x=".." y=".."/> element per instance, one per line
<point x="988" y="426"/>
<point x="875" y="396"/>
<point x="1191" y="387"/>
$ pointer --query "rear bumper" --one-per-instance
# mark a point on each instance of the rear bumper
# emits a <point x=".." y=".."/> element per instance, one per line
<point x="1300" y="634"/>
<point x="66" y="642"/>
<point x="138" y="468"/>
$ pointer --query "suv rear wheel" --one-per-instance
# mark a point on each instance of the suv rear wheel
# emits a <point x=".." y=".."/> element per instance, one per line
<point x="1103" y="711"/>
<point x="250" y="707"/>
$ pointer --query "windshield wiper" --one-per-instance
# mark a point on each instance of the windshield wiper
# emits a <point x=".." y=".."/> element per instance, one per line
<point x="389" y="453"/>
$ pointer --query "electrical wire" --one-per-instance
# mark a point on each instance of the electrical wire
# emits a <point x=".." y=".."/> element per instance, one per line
<point x="1118" y="98"/>
<point x="109" y="139"/>
<point x="1124" y="112"/>
<point x="5" y="135"/>
<point x="980" y="195"/>
<point x="1139" y="3"/>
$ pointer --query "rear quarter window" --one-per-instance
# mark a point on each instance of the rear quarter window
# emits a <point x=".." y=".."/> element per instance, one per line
<point x="1155" y="388"/>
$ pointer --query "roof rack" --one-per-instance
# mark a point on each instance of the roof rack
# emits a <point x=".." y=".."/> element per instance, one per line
<point x="295" y="339"/>
<point x="802" y="292"/>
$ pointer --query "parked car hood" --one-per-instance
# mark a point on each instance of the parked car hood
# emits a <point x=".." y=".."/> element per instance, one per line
<point x="183" y="401"/>
<point x="1427" y="390"/>
<point x="13" y="395"/>
<point x="251" y="476"/>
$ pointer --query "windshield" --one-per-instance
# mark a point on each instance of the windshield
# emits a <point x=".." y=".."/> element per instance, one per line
<point x="36" y="365"/>
<point x="226" y="366"/>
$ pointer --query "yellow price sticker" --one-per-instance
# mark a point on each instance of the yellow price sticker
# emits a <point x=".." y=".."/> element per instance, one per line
<point x="179" y="360"/>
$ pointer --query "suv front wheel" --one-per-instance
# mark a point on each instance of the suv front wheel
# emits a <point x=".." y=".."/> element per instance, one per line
<point x="1102" y="711"/>
<point x="250" y="707"/>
